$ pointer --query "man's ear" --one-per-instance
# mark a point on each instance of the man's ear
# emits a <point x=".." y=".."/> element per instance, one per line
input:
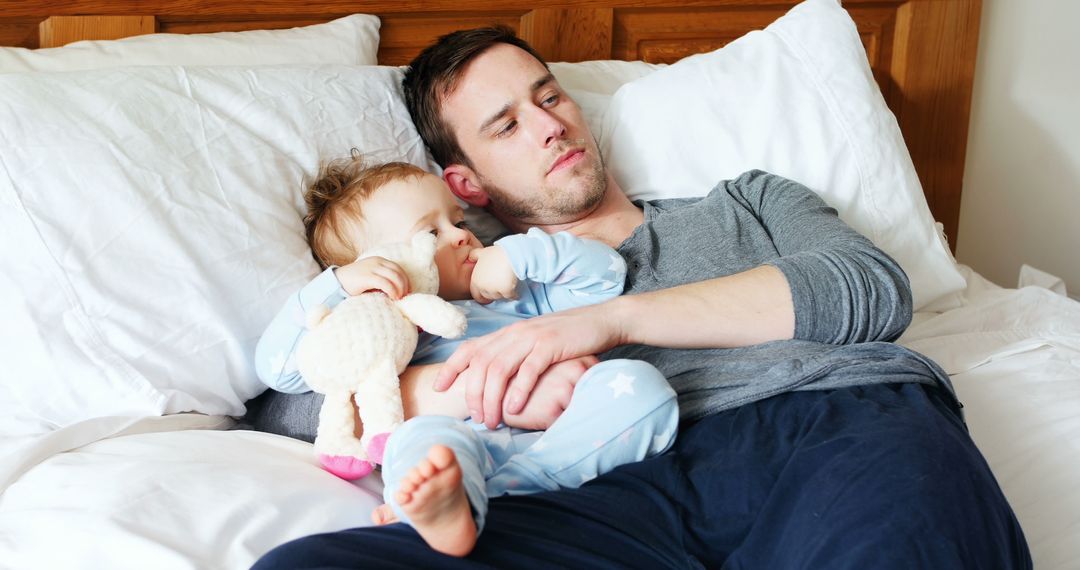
<point x="464" y="183"/>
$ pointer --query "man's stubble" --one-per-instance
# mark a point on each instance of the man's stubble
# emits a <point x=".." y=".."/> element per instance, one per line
<point x="550" y="205"/>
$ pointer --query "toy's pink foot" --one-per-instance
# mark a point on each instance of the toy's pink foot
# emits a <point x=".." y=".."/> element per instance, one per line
<point x="346" y="467"/>
<point x="377" y="446"/>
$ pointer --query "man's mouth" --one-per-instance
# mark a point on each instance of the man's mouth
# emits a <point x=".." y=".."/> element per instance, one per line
<point x="567" y="159"/>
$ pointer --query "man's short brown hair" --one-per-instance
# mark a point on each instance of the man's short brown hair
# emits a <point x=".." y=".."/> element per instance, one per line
<point x="335" y="198"/>
<point x="434" y="74"/>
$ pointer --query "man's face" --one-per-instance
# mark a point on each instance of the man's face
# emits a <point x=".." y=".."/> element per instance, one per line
<point x="527" y="140"/>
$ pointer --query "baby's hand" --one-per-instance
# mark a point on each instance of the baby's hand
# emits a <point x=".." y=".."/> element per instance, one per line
<point x="373" y="274"/>
<point x="493" y="277"/>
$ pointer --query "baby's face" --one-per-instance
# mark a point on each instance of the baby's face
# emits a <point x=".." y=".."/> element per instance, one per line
<point x="398" y="210"/>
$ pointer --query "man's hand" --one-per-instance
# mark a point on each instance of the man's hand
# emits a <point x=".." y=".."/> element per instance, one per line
<point x="523" y="351"/>
<point x="373" y="273"/>
<point x="550" y="398"/>
<point x="552" y="394"/>
<point x="493" y="277"/>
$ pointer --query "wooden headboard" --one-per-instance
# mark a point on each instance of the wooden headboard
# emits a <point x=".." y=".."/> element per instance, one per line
<point x="922" y="51"/>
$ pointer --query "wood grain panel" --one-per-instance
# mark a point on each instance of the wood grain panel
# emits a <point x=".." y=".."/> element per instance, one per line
<point x="19" y="33"/>
<point x="403" y="36"/>
<point x="57" y="31"/>
<point x="934" y="70"/>
<point x="548" y="29"/>
<point x="175" y="25"/>
<point x="667" y="35"/>
<point x="229" y="8"/>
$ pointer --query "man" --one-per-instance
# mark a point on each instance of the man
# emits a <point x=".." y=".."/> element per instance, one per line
<point x="808" y="440"/>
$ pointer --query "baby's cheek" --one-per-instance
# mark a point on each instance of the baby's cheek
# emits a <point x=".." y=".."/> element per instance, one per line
<point x="454" y="284"/>
<point x="464" y="276"/>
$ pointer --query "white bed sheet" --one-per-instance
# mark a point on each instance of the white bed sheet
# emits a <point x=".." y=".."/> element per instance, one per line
<point x="1014" y="358"/>
<point x="180" y="492"/>
<point x="175" y="492"/>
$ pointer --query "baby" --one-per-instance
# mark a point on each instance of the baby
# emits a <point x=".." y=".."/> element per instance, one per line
<point x="439" y="471"/>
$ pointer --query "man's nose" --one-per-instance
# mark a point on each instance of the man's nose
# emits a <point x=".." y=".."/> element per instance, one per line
<point x="552" y="129"/>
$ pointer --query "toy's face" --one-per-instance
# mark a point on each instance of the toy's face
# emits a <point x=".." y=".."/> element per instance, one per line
<point x="401" y="208"/>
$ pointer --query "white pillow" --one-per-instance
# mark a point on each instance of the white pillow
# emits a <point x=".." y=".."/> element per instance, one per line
<point x="799" y="100"/>
<point x="152" y="224"/>
<point x="349" y="40"/>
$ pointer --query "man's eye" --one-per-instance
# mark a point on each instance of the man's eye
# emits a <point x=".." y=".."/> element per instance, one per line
<point x="507" y="129"/>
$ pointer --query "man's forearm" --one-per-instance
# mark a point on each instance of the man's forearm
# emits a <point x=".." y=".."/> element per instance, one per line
<point x="747" y="308"/>
<point x="544" y="407"/>
<point x="419" y="398"/>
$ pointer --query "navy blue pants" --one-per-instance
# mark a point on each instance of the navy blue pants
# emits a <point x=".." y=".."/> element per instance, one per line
<point x="869" y="477"/>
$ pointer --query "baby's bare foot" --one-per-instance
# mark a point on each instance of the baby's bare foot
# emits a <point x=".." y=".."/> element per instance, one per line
<point x="434" y="498"/>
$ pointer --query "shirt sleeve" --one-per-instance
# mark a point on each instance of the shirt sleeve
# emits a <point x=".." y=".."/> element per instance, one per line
<point x="845" y="290"/>
<point x="561" y="271"/>
<point x="275" y="353"/>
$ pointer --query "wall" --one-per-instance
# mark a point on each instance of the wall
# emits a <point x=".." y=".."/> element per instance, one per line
<point x="1021" y="198"/>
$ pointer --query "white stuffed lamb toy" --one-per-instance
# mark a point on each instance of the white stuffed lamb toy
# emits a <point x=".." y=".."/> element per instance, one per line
<point x="360" y="348"/>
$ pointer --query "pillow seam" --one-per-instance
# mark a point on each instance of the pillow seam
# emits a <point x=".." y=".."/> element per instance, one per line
<point x="830" y="101"/>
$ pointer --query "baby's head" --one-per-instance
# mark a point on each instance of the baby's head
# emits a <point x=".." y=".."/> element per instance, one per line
<point x="352" y="207"/>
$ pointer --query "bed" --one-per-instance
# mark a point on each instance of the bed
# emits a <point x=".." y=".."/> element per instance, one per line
<point x="149" y="200"/>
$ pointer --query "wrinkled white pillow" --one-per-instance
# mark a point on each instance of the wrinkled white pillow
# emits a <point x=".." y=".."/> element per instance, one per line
<point x="799" y="100"/>
<point x="349" y="40"/>
<point x="152" y="224"/>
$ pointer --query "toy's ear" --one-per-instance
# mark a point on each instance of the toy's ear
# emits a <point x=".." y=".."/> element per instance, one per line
<point x="423" y="245"/>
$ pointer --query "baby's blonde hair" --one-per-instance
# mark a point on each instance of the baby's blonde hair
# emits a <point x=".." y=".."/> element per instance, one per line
<point x="338" y="193"/>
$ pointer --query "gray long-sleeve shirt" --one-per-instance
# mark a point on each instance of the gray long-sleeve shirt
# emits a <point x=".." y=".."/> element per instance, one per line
<point x="850" y="298"/>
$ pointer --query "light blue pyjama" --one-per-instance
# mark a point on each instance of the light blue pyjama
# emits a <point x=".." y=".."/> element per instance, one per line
<point x="622" y="411"/>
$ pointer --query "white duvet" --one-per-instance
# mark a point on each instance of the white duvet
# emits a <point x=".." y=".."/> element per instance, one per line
<point x="181" y="492"/>
<point x="163" y="493"/>
<point x="1014" y="358"/>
